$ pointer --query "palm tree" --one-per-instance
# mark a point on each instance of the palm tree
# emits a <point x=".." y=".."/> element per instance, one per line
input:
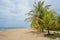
<point x="38" y="13"/>
<point x="49" y="19"/>
<point x="57" y="27"/>
<point x="58" y="19"/>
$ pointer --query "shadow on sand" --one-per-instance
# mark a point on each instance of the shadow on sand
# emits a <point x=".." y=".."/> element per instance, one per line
<point x="2" y="35"/>
<point x="52" y="36"/>
<point x="33" y="32"/>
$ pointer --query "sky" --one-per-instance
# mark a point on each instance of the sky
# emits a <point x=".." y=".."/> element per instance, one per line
<point x="12" y="12"/>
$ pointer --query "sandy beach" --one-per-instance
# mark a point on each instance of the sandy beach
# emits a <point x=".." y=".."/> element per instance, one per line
<point x="21" y="34"/>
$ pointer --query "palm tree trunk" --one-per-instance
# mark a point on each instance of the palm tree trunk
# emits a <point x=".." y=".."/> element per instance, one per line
<point x="48" y="30"/>
<point x="42" y="30"/>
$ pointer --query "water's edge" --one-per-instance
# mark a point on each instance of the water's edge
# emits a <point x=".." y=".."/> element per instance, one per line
<point x="6" y="28"/>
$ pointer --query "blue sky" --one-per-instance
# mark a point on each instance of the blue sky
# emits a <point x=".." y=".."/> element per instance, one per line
<point x="12" y="12"/>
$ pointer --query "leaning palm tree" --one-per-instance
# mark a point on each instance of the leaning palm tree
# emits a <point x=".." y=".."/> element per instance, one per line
<point x="37" y="14"/>
<point x="41" y="11"/>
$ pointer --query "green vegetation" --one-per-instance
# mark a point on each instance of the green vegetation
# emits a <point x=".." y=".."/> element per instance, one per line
<point x="42" y="18"/>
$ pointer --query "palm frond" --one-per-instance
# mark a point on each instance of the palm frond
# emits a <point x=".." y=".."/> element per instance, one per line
<point x="47" y="6"/>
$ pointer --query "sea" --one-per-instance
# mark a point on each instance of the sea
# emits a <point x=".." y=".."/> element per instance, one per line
<point x="6" y="28"/>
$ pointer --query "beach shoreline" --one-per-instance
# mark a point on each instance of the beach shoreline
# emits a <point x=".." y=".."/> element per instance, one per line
<point x="21" y="34"/>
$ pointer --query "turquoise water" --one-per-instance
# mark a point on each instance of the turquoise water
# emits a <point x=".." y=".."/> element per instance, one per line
<point x="6" y="28"/>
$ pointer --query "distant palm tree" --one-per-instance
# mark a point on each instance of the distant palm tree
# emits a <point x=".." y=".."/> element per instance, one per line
<point x="58" y="19"/>
<point x="57" y="27"/>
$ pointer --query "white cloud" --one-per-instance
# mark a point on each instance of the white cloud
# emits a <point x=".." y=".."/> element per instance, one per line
<point x="11" y="7"/>
<point x="13" y="11"/>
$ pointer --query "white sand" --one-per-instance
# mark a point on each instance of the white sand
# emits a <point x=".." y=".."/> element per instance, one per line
<point x="21" y="34"/>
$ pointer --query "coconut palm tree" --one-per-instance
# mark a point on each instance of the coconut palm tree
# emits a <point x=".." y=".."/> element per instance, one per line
<point x="49" y="19"/>
<point x="57" y="27"/>
<point x="38" y="14"/>
<point x="41" y="11"/>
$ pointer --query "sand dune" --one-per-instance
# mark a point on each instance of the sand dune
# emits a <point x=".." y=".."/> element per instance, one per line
<point x="21" y="34"/>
